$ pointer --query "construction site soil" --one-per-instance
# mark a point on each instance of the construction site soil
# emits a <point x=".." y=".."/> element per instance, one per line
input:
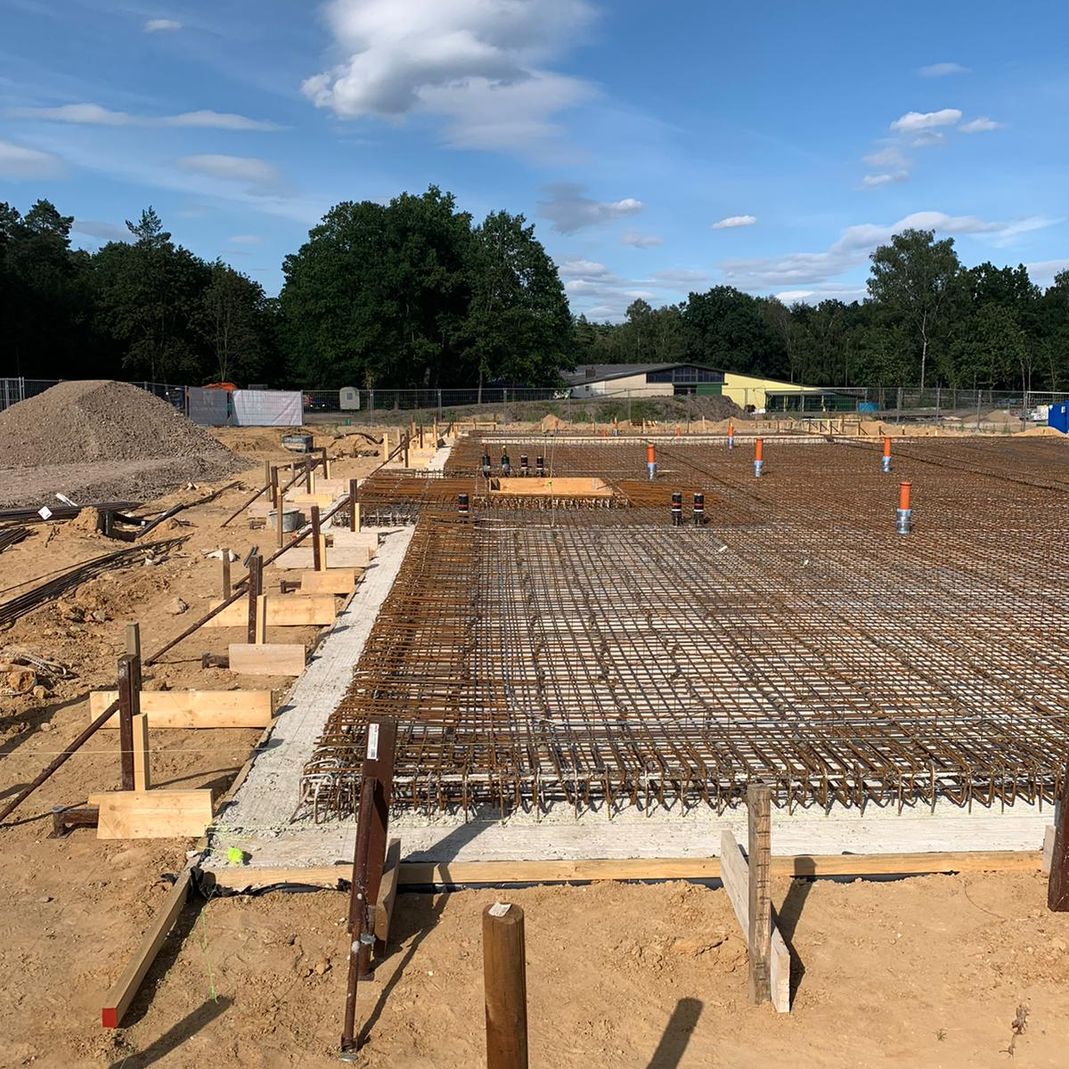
<point x="928" y="971"/>
<point x="98" y="440"/>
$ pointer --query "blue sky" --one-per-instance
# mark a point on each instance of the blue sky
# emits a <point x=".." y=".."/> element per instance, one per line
<point x="659" y="148"/>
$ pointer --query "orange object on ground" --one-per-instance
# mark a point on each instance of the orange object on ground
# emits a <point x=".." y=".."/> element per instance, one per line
<point x="903" y="495"/>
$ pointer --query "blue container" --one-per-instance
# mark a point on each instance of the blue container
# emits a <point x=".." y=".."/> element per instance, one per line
<point x="867" y="406"/>
<point x="1059" y="417"/>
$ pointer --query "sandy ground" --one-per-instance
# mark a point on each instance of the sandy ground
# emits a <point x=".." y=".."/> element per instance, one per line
<point x="920" y="972"/>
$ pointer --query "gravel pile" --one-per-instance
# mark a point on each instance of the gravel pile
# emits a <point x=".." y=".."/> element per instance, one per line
<point x="101" y="439"/>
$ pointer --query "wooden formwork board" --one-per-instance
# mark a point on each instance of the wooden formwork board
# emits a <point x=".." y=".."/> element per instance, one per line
<point x="502" y="873"/>
<point x="340" y="557"/>
<point x="283" y="610"/>
<point x="267" y="658"/>
<point x="330" y="581"/>
<point x="159" y="814"/>
<point x="193" y="708"/>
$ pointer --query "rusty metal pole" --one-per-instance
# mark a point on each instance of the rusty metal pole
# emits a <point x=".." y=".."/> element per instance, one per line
<point x="759" y="856"/>
<point x="361" y="925"/>
<point x="354" y="507"/>
<point x="505" y="984"/>
<point x="317" y="546"/>
<point x="1058" y="884"/>
<point x="226" y="572"/>
<point x="256" y="580"/>
<point x="129" y="707"/>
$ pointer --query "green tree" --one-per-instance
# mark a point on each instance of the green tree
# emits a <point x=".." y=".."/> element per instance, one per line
<point x="912" y="278"/>
<point x="518" y="324"/>
<point x="148" y="302"/>
<point x="236" y="320"/>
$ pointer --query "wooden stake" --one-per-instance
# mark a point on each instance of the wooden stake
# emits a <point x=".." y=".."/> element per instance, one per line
<point x="278" y="496"/>
<point x="318" y="553"/>
<point x="226" y="573"/>
<point x="759" y="822"/>
<point x="133" y="647"/>
<point x="267" y="474"/>
<point x="129" y="707"/>
<point x="354" y="506"/>
<point x="505" y="985"/>
<point x="1058" y="884"/>
<point x="142" y="775"/>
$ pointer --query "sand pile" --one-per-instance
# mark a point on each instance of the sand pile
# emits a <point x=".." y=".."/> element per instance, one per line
<point x="98" y="440"/>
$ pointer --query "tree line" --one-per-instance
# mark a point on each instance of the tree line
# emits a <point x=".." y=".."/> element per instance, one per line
<point x="416" y="293"/>
<point x="927" y="321"/>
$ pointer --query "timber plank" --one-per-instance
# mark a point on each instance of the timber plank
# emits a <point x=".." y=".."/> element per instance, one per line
<point x="735" y="874"/>
<point x="391" y="872"/>
<point x="500" y="873"/>
<point x="117" y="1000"/>
<point x="342" y="539"/>
<point x="267" y="658"/>
<point x="341" y="557"/>
<point x="161" y="814"/>
<point x="330" y="581"/>
<point x="193" y="708"/>
<point x="292" y="610"/>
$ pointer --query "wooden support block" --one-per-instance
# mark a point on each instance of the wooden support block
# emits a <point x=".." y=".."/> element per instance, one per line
<point x="301" y="557"/>
<point x="267" y="659"/>
<point x="160" y="814"/>
<point x="735" y="874"/>
<point x="391" y="872"/>
<point x="329" y="581"/>
<point x="291" y="610"/>
<point x="193" y="708"/>
<point x="117" y="1001"/>
<point x="306" y="501"/>
<point x="142" y="772"/>
<point x="259" y="635"/>
<point x="759" y="862"/>
<point x="342" y="539"/>
<point x="1048" y="848"/>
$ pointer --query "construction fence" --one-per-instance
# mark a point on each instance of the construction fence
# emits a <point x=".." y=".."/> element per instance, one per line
<point x="876" y="402"/>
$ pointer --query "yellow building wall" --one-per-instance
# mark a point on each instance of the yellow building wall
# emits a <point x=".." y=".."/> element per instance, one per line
<point x="746" y="390"/>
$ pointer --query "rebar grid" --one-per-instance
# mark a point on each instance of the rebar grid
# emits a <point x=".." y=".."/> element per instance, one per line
<point x="534" y="658"/>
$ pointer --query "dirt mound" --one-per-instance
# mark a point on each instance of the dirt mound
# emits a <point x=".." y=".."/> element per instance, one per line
<point x="102" y="439"/>
<point x="79" y="422"/>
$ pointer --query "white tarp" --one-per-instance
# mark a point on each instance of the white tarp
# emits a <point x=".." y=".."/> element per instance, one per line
<point x="267" y="408"/>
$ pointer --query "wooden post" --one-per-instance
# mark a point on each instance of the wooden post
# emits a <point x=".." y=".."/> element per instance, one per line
<point x="267" y="474"/>
<point x="317" y="546"/>
<point x="226" y="572"/>
<point x="278" y="495"/>
<point x="421" y="436"/>
<point x="354" y="506"/>
<point x="326" y="463"/>
<point x="1058" y="883"/>
<point x="759" y="822"/>
<point x="505" y="984"/>
<point x="142" y="773"/>
<point x="129" y="707"/>
<point x="407" y="440"/>
<point x="256" y="579"/>
<point x="133" y="647"/>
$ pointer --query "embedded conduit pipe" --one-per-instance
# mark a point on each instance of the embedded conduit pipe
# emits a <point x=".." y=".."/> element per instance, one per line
<point x="904" y="514"/>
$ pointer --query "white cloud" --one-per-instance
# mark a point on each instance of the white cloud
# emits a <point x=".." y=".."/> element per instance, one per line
<point x="979" y="125"/>
<point x="161" y="26"/>
<point x="733" y="221"/>
<point x="89" y="114"/>
<point x="252" y="172"/>
<point x="599" y="293"/>
<point x="874" y="181"/>
<point x="805" y="269"/>
<point x="18" y="161"/>
<point x="681" y="276"/>
<point x="914" y="122"/>
<point x="1042" y="272"/>
<point x="818" y="293"/>
<point x="569" y="209"/>
<point x="479" y="63"/>
<point x="942" y="70"/>
<point x="891" y="157"/>
<point x="244" y="239"/>
<point x="641" y="241"/>
<point x="102" y="231"/>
